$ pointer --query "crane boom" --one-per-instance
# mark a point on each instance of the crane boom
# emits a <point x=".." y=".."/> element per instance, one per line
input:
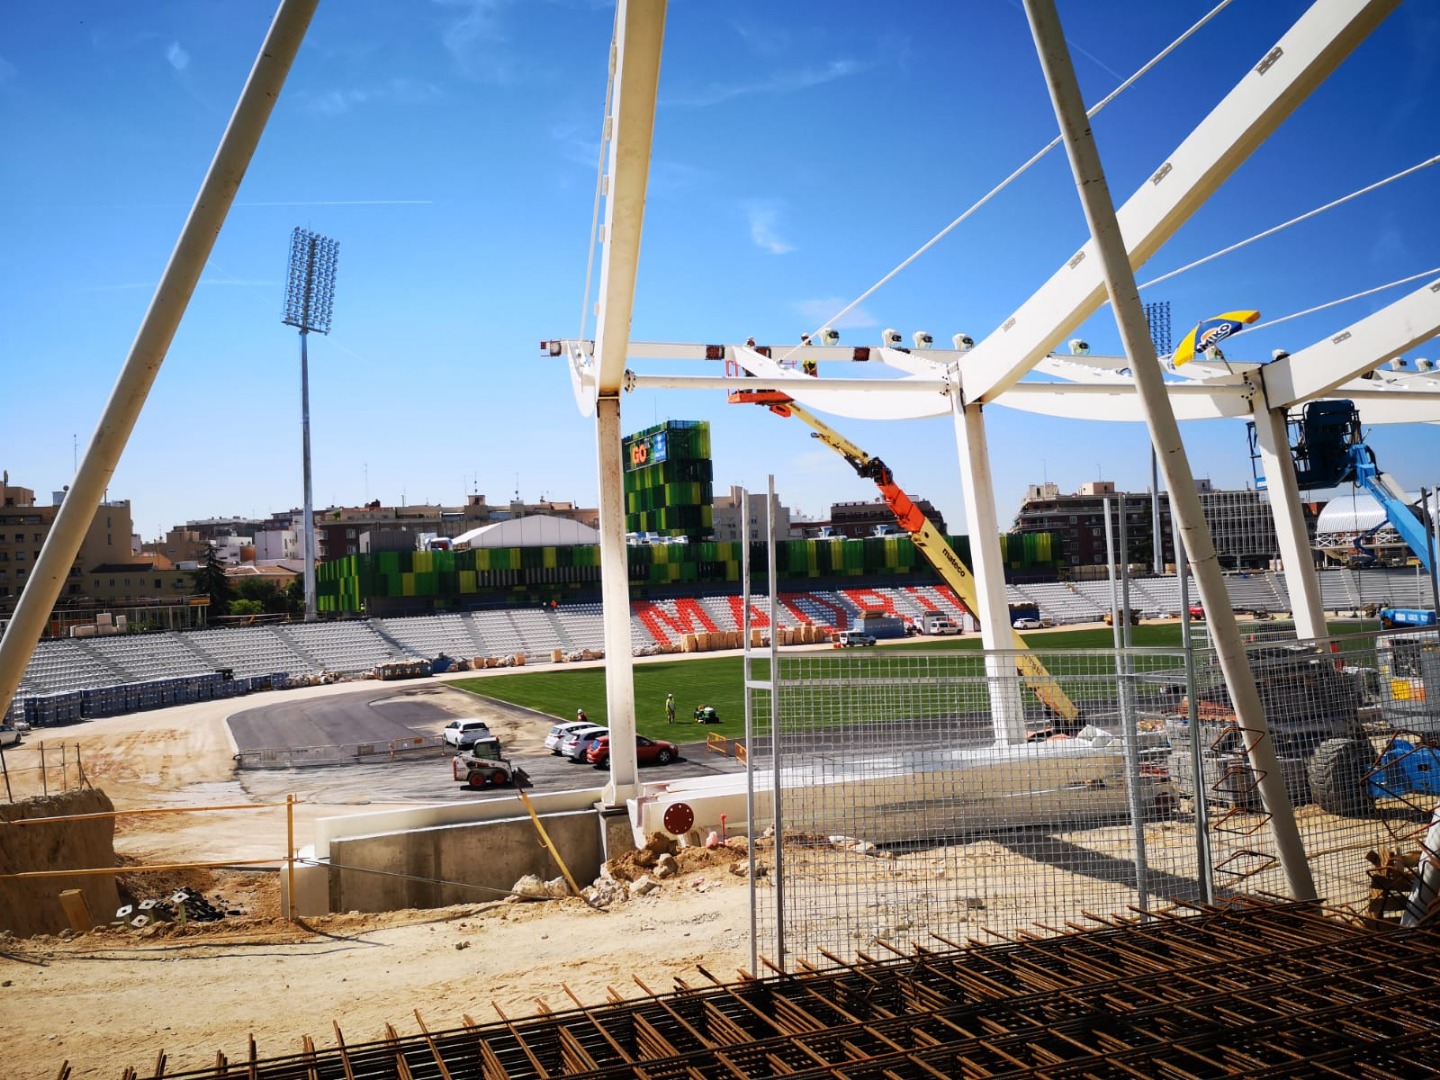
<point x="927" y="539"/>
<point x="1391" y="498"/>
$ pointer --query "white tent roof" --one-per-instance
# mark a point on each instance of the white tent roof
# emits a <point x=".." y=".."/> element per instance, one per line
<point x="1357" y="512"/>
<point x="533" y="530"/>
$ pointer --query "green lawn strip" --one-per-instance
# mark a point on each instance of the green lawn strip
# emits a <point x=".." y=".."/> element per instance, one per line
<point x="716" y="681"/>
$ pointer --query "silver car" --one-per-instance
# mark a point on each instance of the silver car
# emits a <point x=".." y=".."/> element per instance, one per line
<point x="559" y="731"/>
<point x="577" y="742"/>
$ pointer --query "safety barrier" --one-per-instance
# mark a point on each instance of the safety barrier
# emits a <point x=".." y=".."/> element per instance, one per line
<point x="717" y="744"/>
<point x="28" y="771"/>
<point x="299" y="757"/>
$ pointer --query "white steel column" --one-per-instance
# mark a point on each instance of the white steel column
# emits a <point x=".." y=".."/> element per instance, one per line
<point x="640" y="30"/>
<point x="987" y="563"/>
<point x="1301" y="581"/>
<point x="1165" y="436"/>
<point x="152" y="342"/>
<point x="615" y="602"/>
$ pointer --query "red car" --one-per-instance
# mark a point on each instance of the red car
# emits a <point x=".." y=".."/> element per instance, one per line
<point x="647" y="751"/>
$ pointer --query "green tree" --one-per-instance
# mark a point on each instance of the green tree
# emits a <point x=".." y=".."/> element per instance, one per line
<point x="210" y="579"/>
<point x="246" y="607"/>
<point x="271" y="599"/>
<point x="295" y="596"/>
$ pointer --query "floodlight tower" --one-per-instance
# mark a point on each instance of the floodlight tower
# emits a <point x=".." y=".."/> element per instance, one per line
<point x="309" y="303"/>
<point x="1157" y="316"/>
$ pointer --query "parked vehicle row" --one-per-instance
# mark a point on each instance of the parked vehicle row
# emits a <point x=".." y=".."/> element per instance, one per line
<point x="647" y="751"/>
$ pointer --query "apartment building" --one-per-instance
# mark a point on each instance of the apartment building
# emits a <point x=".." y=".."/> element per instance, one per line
<point x="1241" y="523"/>
<point x="25" y="525"/>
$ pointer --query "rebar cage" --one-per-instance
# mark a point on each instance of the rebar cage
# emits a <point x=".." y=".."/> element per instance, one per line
<point x="900" y="817"/>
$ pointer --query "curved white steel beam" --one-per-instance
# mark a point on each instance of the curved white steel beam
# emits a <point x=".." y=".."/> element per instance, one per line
<point x="1112" y="402"/>
<point x="924" y="400"/>
<point x="1318" y="369"/>
<point x="1282" y="78"/>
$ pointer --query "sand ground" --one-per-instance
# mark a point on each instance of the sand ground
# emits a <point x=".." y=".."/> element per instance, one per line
<point x="116" y="997"/>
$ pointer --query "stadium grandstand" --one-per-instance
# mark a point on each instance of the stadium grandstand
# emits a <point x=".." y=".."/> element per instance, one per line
<point x="74" y="678"/>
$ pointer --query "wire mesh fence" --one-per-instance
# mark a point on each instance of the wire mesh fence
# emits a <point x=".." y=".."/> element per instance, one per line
<point x="945" y="794"/>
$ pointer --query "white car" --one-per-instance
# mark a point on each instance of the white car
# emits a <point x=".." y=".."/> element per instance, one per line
<point x="1027" y="624"/>
<point x="577" y="742"/>
<point x="9" y="735"/>
<point x="559" y="731"/>
<point x="462" y="733"/>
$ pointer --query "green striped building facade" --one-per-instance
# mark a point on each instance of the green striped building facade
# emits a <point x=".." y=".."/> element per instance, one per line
<point x="422" y="581"/>
<point x="668" y="477"/>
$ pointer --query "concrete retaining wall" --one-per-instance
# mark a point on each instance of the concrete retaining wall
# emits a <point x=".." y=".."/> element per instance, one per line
<point x="32" y="906"/>
<point x="483" y="859"/>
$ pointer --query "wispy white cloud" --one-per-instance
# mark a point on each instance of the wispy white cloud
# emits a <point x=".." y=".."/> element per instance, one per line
<point x="473" y="38"/>
<point x="129" y="286"/>
<point x="178" y="57"/>
<point x="768" y="42"/>
<point x="343" y="202"/>
<point x="401" y="91"/>
<point x="781" y="82"/>
<point x="764" y="218"/>
<point x="821" y="311"/>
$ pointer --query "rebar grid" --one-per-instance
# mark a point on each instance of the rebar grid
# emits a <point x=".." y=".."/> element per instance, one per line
<point x="1251" y="989"/>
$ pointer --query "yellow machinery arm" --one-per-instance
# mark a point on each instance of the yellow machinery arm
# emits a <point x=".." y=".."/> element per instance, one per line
<point x="927" y="539"/>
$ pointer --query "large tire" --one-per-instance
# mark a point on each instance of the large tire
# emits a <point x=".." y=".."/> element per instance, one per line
<point x="1337" y="777"/>
<point x="476" y="780"/>
<point x="664" y="757"/>
<point x="499" y="777"/>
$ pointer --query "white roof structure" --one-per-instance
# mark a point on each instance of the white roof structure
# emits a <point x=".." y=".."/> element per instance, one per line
<point x="532" y="530"/>
<point x="1358" y="511"/>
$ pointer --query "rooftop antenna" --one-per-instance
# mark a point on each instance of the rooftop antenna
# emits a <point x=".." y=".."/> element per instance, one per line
<point x="309" y="304"/>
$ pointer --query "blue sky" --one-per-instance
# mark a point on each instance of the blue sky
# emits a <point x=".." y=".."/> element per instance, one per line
<point x="801" y="151"/>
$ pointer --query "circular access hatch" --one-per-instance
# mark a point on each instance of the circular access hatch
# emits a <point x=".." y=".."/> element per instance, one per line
<point x="679" y="819"/>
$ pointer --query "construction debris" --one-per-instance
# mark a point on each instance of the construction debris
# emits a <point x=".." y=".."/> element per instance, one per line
<point x="531" y="887"/>
<point x="182" y="906"/>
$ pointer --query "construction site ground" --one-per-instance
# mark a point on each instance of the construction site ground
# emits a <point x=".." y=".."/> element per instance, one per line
<point x="116" y="996"/>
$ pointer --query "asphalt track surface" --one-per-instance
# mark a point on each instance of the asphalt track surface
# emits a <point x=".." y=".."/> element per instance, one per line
<point x="377" y="716"/>
<point x="365" y="716"/>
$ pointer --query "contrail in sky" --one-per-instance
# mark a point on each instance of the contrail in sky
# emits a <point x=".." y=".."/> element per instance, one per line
<point x="347" y="202"/>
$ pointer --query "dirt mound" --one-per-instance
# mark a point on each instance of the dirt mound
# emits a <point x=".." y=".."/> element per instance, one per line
<point x="81" y="842"/>
<point x="634" y="865"/>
